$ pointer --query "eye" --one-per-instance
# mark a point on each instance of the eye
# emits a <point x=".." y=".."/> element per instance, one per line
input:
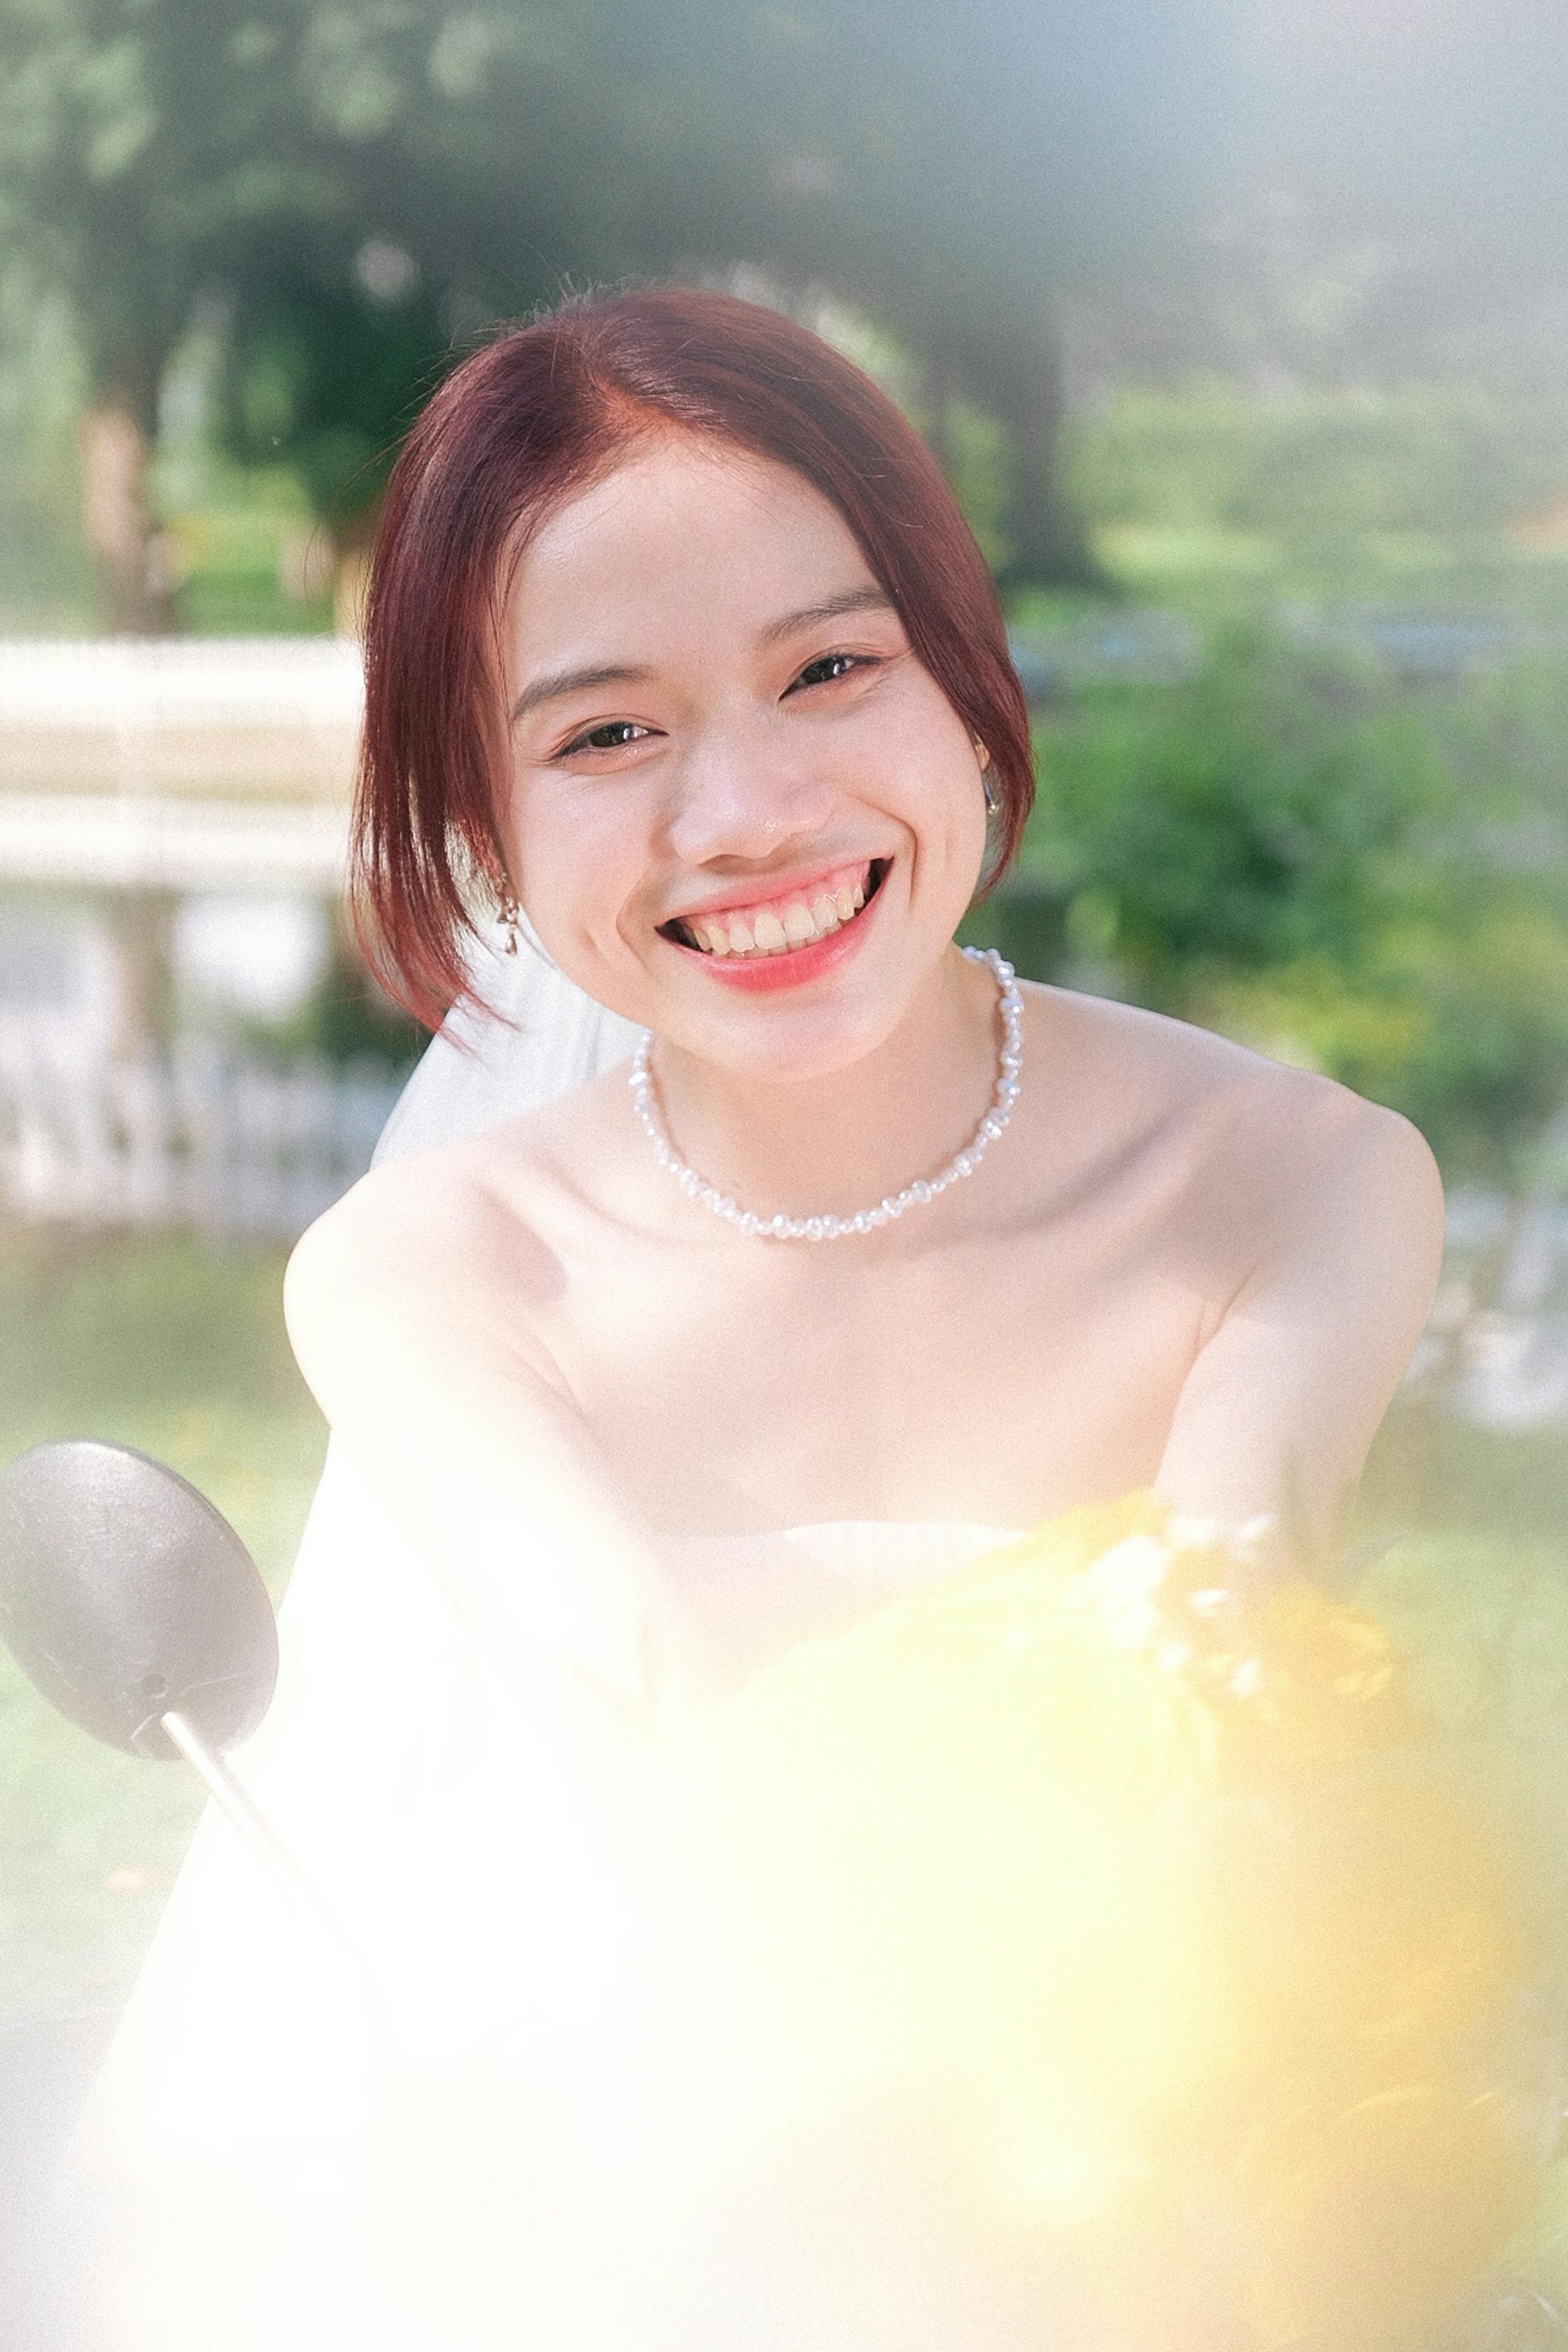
<point x="626" y="729"/>
<point x="825" y="662"/>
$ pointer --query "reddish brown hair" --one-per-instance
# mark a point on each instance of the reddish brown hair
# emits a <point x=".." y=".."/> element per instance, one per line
<point x="529" y="419"/>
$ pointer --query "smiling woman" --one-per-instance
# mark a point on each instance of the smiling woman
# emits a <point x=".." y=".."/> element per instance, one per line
<point x="598" y="410"/>
<point x="679" y="651"/>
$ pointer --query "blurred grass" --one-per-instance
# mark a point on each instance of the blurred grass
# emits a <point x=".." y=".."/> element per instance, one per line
<point x="1212" y="573"/>
<point x="159" y="1345"/>
<point x="230" y="556"/>
<point x="1205" y="496"/>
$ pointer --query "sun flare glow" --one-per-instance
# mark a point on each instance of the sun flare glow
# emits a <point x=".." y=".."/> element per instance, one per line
<point x="1131" y="1886"/>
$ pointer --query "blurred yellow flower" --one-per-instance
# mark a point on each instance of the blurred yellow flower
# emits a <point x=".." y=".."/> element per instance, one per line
<point x="1131" y="1871"/>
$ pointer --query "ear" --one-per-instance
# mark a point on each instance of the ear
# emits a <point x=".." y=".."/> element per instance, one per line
<point x="982" y="754"/>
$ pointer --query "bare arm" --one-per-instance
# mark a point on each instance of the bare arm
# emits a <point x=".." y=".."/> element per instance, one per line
<point x="405" y="1325"/>
<point x="1282" y="1405"/>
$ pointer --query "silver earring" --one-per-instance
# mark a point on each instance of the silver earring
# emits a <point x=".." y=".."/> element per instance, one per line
<point x="510" y="911"/>
<point x="987" y="778"/>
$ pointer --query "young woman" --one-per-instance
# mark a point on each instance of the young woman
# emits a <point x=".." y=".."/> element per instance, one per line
<point x="847" y="1255"/>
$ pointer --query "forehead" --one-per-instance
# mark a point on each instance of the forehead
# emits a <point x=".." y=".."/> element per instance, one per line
<point x="680" y="530"/>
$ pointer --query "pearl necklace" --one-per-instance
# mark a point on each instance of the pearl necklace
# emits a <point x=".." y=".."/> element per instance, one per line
<point x="830" y="1229"/>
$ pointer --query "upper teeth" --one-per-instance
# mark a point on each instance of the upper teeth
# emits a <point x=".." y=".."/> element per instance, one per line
<point x="774" y="930"/>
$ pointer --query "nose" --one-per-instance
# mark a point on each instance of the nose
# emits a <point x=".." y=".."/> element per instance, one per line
<point x="739" y="799"/>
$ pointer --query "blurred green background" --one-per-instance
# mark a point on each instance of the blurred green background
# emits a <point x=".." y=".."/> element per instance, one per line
<point x="1243" y="335"/>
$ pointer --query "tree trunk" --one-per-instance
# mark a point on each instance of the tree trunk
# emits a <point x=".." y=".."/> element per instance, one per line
<point x="130" y="553"/>
<point x="353" y="544"/>
<point x="141" y="925"/>
<point x="1019" y="383"/>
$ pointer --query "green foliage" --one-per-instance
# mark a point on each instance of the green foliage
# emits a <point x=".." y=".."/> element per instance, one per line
<point x="1290" y="851"/>
<point x="1482" y="981"/>
<point x="1438" y="458"/>
<point x="324" y="376"/>
<point x="345" y="1019"/>
<point x="232" y="562"/>
<point x="150" y="155"/>
<point x="1230" y="824"/>
<point x="43" y="579"/>
<point x="1219" y="503"/>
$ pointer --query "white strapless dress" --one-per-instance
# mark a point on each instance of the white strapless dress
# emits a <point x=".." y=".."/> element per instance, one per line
<point x="245" y="2182"/>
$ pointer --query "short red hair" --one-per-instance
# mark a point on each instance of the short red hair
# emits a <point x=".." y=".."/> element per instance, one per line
<point x="526" y="421"/>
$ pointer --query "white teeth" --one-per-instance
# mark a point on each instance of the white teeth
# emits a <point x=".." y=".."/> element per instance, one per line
<point x="771" y="933"/>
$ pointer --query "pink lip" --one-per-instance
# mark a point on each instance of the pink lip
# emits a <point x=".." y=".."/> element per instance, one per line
<point x="794" y="968"/>
<point x="793" y="887"/>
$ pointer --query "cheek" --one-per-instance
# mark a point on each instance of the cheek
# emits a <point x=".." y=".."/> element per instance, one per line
<point x="966" y="842"/>
<point x="573" y="875"/>
<point x="936" y="771"/>
<point x="947" y="804"/>
<point x="955" y="838"/>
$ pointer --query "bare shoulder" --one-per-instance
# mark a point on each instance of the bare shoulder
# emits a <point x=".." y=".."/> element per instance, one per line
<point x="1165" y="1059"/>
<point x="1177" y="1070"/>
<point x="1282" y="1151"/>
<point x="432" y="1243"/>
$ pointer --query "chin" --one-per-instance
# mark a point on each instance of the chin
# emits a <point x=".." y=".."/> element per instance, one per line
<point x="786" y="1049"/>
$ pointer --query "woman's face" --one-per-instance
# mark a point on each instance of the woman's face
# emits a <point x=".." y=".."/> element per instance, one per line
<point x="719" y="734"/>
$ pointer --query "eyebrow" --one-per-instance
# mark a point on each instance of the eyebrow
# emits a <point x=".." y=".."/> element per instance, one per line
<point x="557" y="683"/>
<point x="831" y="608"/>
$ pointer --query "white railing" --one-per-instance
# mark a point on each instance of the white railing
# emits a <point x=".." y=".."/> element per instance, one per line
<point x="178" y="763"/>
<point x="242" y="714"/>
<point x="200" y="1136"/>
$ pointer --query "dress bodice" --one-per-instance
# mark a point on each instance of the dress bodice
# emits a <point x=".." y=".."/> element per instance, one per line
<point x="755" y="1594"/>
<point x="883" y="1546"/>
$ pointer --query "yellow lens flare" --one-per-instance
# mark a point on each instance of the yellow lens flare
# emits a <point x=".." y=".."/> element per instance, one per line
<point x="1369" y="2219"/>
<point x="1138" y="1897"/>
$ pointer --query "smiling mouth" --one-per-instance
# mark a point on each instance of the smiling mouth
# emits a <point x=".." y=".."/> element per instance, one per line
<point x="799" y="925"/>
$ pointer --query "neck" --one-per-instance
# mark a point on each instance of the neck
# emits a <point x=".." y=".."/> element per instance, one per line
<point x="840" y="1143"/>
